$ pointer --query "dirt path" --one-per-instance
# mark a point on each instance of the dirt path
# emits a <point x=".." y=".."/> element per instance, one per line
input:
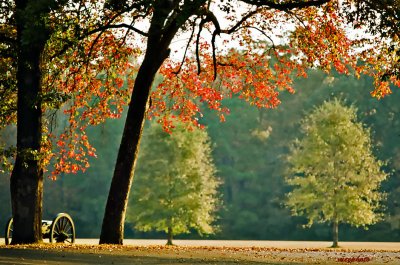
<point x="218" y="255"/>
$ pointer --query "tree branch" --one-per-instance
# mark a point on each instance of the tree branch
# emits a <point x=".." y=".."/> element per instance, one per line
<point x="117" y="26"/>
<point x="202" y="22"/>
<point x="263" y="33"/>
<point x="285" y="5"/>
<point x="214" y="57"/>
<point x="101" y="29"/>
<point x="186" y="49"/>
<point x="209" y="17"/>
<point x="240" y="22"/>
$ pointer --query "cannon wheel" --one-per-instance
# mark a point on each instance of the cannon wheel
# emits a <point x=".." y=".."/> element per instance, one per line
<point x="62" y="229"/>
<point x="9" y="231"/>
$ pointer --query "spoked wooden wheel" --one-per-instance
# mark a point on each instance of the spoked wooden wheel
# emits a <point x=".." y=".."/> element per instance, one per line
<point x="9" y="231"/>
<point x="62" y="229"/>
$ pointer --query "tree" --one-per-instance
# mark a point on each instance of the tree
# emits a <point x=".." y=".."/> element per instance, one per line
<point x="176" y="187"/>
<point x="334" y="174"/>
<point x="317" y="39"/>
<point x="38" y="41"/>
<point x="25" y="47"/>
<point x="381" y="19"/>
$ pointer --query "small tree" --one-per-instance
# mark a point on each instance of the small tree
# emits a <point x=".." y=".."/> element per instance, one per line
<point x="176" y="188"/>
<point x="335" y="176"/>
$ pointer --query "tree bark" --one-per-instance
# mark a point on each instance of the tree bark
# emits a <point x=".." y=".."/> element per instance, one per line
<point x="160" y="35"/>
<point x="335" y="233"/>
<point x="26" y="184"/>
<point x="114" y="217"/>
<point x="169" y="236"/>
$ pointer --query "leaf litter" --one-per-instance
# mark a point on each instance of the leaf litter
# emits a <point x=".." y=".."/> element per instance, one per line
<point x="269" y="255"/>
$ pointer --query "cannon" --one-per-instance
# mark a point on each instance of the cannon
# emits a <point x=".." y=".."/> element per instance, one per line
<point x="60" y="230"/>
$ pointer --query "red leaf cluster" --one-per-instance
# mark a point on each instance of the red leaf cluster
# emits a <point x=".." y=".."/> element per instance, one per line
<point x="99" y="80"/>
<point x="354" y="259"/>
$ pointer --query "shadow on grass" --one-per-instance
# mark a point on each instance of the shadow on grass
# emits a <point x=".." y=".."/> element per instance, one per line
<point x="40" y="256"/>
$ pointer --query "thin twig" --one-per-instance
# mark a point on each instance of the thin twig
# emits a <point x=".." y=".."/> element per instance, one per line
<point x="186" y="49"/>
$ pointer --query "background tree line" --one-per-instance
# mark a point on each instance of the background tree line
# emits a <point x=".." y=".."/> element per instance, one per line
<point x="249" y="154"/>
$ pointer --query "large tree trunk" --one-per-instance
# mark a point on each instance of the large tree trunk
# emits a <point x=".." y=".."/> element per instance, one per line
<point x="160" y="35"/>
<point x="26" y="183"/>
<point x="114" y="217"/>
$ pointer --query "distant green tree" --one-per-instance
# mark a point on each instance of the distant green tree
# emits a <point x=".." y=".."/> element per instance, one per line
<point x="333" y="171"/>
<point x="176" y="187"/>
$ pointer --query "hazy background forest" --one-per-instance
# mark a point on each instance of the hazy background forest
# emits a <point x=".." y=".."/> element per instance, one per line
<point x="249" y="154"/>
